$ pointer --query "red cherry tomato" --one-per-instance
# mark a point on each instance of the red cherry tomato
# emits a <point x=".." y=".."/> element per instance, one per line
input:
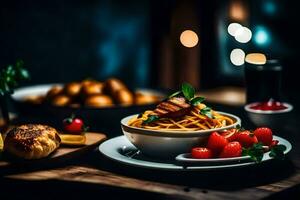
<point x="216" y="142"/>
<point x="201" y="153"/>
<point x="73" y="125"/>
<point x="246" y="138"/>
<point x="264" y="135"/>
<point x="232" y="149"/>
<point x="274" y="143"/>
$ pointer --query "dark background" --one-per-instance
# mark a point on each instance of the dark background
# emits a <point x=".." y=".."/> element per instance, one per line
<point x="62" y="41"/>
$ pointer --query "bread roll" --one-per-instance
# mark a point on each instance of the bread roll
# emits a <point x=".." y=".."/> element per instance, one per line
<point x="54" y="91"/>
<point x="32" y="141"/>
<point x="61" y="100"/>
<point x="92" y="88"/>
<point x="98" y="101"/>
<point x="124" y="97"/>
<point x="141" y="99"/>
<point x="72" y="89"/>
<point x="113" y="85"/>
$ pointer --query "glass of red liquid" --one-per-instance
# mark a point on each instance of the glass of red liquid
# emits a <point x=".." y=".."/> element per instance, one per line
<point x="263" y="81"/>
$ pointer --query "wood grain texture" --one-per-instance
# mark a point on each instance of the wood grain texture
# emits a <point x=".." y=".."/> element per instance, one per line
<point x="91" y="175"/>
<point x="63" y="152"/>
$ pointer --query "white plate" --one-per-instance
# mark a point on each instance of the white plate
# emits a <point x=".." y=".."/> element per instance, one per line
<point x="186" y="157"/>
<point x="35" y="90"/>
<point x="121" y="150"/>
<point x="38" y="90"/>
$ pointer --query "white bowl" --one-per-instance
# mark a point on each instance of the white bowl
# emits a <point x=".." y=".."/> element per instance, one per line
<point x="269" y="118"/>
<point x="168" y="144"/>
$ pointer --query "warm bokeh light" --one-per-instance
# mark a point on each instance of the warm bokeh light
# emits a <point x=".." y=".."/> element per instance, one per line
<point x="233" y="27"/>
<point x="243" y="35"/>
<point x="189" y="38"/>
<point x="256" y="58"/>
<point x="237" y="57"/>
<point x="237" y="11"/>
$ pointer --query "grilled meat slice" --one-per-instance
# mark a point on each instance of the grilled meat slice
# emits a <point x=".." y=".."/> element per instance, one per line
<point x="173" y="107"/>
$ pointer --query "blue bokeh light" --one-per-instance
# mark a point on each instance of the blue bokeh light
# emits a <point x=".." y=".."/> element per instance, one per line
<point x="269" y="7"/>
<point x="262" y="36"/>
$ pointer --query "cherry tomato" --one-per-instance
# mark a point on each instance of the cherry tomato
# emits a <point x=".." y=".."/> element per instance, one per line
<point x="264" y="135"/>
<point x="73" y="125"/>
<point x="201" y="153"/>
<point x="246" y="138"/>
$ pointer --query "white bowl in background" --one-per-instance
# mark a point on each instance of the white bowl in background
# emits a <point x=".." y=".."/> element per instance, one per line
<point x="166" y="143"/>
<point x="268" y="118"/>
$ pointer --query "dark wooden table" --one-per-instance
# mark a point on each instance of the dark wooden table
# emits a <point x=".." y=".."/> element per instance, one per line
<point x="93" y="175"/>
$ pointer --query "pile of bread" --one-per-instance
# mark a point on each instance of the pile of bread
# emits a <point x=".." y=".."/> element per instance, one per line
<point x="92" y="93"/>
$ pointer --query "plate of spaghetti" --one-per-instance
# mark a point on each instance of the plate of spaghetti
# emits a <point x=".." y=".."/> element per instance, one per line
<point x="178" y="123"/>
<point x="191" y="122"/>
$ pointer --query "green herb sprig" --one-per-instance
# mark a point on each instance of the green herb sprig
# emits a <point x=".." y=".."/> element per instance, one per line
<point x="277" y="151"/>
<point x="10" y="76"/>
<point x="151" y="119"/>
<point x="207" y="112"/>
<point x="9" y="80"/>
<point x="189" y="93"/>
<point x="256" y="152"/>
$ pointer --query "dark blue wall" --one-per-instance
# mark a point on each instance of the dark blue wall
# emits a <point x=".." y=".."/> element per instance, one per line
<point x="61" y="41"/>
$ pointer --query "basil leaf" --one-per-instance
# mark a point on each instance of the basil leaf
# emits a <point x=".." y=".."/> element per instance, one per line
<point x="277" y="152"/>
<point x="207" y="112"/>
<point x="10" y="77"/>
<point x="23" y="73"/>
<point x="150" y="119"/>
<point x="256" y="152"/>
<point x="19" y="63"/>
<point x="175" y="94"/>
<point x="188" y="91"/>
<point x="195" y="101"/>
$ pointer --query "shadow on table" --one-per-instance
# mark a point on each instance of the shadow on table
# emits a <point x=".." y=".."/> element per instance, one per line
<point x="54" y="189"/>
<point x="290" y="193"/>
<point x="225" y="179"/>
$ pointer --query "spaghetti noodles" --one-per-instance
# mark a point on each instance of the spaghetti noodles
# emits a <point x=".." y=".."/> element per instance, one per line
<point x="193" y="121"/>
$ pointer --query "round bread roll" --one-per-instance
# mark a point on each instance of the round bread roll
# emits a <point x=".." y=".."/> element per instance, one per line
<point x="54" y="91"/>
<point x="88" y="81"/>
<point x="92" y="88"/>
<point x="32" y="141"/>
<point x="98" y="101"/>
<point x="141" y="99"/>
<point x="112" y="85"/>
<point x="72" y="89"/>
<point x="124" y="97"/>
<point x="61" y="100"/>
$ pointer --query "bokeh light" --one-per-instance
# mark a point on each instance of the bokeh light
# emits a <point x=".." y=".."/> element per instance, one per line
<point x="269" y="7"/>
<point x="233" y="27"/>
<point x="237" y="57"/>
<point x="189" y="38"/>
<point x="238" y="11"/>
<point x="256" y="58"/>
<point x="243" y="35"/>
<point x="262" y="36"/>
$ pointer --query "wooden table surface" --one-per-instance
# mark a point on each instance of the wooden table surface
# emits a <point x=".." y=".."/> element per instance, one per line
<point x="93" y="174"/>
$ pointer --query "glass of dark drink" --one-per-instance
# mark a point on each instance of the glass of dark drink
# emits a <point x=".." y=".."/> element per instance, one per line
<point x="263" y="81"/>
